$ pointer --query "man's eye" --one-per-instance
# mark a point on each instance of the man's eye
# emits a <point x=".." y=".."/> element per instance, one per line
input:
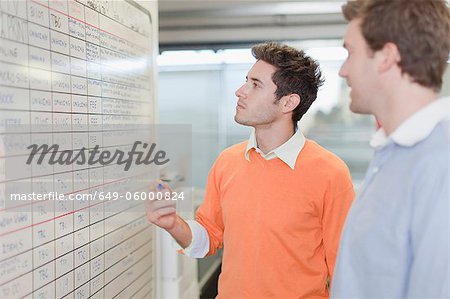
<point x="255" y="85"/>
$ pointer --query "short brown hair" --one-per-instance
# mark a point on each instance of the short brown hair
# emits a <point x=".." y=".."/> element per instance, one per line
<point x="296" y="73"/>
<point x="419" y="28"/>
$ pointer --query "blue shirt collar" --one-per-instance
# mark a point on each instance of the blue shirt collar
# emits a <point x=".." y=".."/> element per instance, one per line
<point x="417" y="127"/>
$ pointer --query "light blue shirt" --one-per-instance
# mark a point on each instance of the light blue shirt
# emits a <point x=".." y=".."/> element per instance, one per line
<point x="395" y="242"/>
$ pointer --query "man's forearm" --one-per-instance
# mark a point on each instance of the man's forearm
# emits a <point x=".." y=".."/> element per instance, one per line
<point x="181" y="232"/>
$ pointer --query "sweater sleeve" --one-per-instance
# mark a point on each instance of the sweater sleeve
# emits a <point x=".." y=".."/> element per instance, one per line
<point x="336" y="205"/>
<point x="209" y="214"/>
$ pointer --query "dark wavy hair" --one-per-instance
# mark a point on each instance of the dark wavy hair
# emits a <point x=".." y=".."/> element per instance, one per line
<point x="296" y="73"/>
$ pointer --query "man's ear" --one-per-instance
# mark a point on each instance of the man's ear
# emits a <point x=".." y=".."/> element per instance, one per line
<point x="290" y="102"/>
<point x="388" y="56"/>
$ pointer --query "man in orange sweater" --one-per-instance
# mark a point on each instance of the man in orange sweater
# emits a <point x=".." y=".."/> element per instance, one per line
<point x="277" y="202"/>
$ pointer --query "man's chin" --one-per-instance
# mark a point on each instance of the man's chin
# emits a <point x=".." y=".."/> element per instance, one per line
<point x="240" y="121"/>
<point x="357" y="109"/>
<point x="353" y="106"/>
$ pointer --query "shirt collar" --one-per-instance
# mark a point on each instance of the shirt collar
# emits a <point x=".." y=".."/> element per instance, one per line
<point x="417" y="127"/>
<point x="287" y="152"/>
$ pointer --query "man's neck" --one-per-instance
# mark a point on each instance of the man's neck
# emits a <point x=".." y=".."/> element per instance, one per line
<point x="402" y="104"/>
<point x="272" y="136"/>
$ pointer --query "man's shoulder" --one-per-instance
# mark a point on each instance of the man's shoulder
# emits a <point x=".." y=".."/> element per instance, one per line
<point x="433" y="151"/>
<point x="441" y="133"/>
<point x="319" y="157"/>
<point x="235" y="151"/>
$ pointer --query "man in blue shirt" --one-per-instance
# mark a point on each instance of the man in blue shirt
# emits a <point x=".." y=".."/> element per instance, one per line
<point x="395" y="242"/>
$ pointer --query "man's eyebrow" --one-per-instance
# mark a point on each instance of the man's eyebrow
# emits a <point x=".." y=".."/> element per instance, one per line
<point x="255" y="79"/>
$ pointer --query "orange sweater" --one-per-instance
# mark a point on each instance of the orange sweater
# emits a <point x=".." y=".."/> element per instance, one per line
<point x="280" y="227"/>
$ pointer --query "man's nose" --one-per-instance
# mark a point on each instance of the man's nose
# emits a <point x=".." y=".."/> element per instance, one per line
<point x="240" y="92"/>
<point x="343" y="70"/>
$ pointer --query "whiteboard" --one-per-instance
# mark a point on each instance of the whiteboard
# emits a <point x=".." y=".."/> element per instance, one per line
<point x="74" y="66"/>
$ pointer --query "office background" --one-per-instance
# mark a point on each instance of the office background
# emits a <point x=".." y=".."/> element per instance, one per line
<point x="80" y="66"/>
<point x="205" y="56"/>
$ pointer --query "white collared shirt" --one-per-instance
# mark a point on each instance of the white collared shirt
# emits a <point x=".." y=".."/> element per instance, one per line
<point x="287" y="152"/>
<point x="417" y="127"/>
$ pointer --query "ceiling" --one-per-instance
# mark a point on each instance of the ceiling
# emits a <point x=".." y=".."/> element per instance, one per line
<point x="187" y="24"/>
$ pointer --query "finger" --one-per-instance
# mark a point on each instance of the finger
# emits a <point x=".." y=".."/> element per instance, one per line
<point x="155" y="216"/>
<point x="159" y="204"/>
<point x="165" y="211"/>
<point x="163" y="194"/>
<point x="162" y="185"/>
<point x="155" y="183"/>
<point x="154" y="205"/>
<point x="159" y="186"/>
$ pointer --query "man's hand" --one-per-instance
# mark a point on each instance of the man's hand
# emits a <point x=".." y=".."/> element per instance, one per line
<point x="161" y="212"/>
